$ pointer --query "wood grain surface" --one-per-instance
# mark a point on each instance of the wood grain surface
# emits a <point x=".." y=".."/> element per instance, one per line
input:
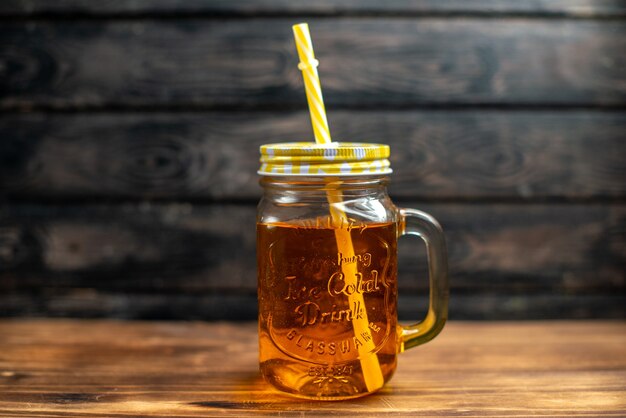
<point x="87" y="302"/>
<point x="541" y="8"/>
<point x="472" y="154"/>
<point x="365" y="62"/>
<point x="87" y="253"/>
<point x="52" y="368"/>
<point x="130" y="134"/>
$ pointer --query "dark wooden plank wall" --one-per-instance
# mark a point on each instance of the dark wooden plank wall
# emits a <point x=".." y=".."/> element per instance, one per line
<point x="130" y="132"/>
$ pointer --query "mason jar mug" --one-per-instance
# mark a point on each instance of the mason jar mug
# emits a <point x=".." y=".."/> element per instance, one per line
<point x="327" y="236"/>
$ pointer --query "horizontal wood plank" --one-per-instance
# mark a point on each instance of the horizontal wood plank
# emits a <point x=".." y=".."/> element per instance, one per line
<point x="559" y="8"/>
<point x="123" y="369"/>
<point x="89" y="302"/>
<point x="521" y="155"/>
<point x="209" y="251"/>
<point x="365" y="62"/>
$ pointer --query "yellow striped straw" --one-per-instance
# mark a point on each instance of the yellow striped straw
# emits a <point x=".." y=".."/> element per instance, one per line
<point x="370" y="366"/>
<point x="308" y="65"/>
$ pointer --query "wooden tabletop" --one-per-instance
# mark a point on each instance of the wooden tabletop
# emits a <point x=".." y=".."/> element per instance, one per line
<point x="79" y="368"/>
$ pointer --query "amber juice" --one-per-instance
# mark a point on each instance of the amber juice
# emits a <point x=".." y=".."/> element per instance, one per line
<point x="308" y="346"/>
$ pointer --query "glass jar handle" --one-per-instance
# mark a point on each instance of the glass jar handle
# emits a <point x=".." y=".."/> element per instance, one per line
<point x="415" y="222"/>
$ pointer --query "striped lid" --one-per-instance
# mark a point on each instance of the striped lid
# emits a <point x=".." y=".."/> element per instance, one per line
<point x="335" y="158"/>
